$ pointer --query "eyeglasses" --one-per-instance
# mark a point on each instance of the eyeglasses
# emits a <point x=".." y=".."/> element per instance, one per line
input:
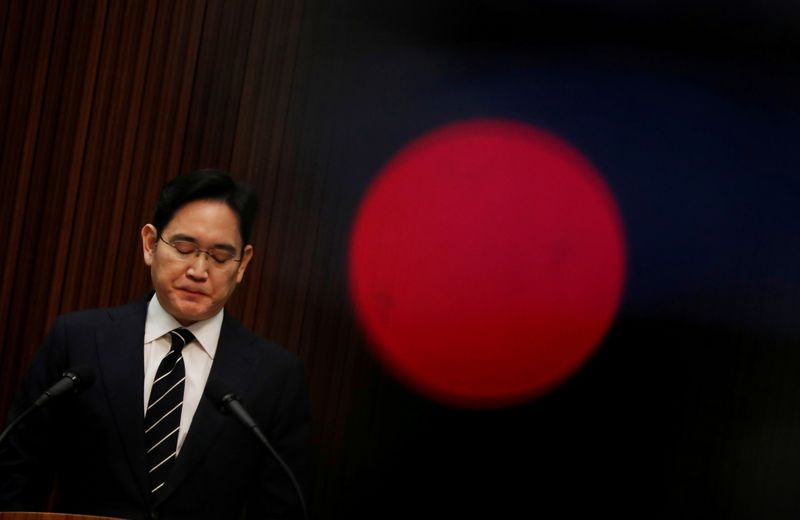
<point x="188" y="250"/>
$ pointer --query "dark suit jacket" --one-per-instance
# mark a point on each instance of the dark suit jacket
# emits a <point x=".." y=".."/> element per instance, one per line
<point x="94" y="442"/>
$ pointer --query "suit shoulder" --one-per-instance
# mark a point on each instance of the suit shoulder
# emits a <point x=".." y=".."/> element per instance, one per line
<point x="94" y="317"/>
<point x="85" y="316"/>
<point x="275" y="351"/>
<point x="263" y="347"/>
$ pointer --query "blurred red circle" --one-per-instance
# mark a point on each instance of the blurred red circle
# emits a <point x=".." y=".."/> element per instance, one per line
<point x="486" y="262"/>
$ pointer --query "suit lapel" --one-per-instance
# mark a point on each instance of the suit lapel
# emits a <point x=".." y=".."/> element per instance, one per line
<point x="121" y="359"/>
<point x="234" y="363"/>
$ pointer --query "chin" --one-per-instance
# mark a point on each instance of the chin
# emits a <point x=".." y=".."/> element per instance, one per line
<point x="196" y="315"/>
<point x="189" y="311"/>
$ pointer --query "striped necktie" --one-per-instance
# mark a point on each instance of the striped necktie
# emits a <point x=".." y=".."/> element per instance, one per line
<point x="163" y="416"/>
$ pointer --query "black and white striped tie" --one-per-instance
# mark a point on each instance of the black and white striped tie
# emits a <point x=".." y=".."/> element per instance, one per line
<point x="163" y="417"/>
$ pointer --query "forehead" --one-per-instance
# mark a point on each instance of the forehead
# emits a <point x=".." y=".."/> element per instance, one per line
<point x="210" y="221"/>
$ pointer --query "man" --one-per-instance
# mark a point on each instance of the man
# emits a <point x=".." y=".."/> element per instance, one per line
<point x="142" y="441"/>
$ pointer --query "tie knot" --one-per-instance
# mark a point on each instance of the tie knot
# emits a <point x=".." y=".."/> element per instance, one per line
<point x="181" y="338"/>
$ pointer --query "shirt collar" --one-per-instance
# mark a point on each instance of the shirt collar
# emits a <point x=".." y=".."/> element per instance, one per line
<point x="159" y="322"/>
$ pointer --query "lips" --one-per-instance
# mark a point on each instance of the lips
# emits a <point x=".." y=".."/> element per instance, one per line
<point x="191" y="291"/>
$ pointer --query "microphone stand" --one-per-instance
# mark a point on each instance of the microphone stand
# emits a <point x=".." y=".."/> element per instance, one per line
<point x="286" y="469"/>
<point x="229" y="403"/>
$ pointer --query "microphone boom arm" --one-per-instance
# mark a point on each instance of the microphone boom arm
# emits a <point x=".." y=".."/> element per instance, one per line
<point x="230" y="403"/>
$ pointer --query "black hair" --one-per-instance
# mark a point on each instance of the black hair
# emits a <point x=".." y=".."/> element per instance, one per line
<point x="207" y="185"/>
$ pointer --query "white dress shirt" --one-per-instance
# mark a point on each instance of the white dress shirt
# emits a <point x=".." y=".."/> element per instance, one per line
<point x="197" y="357"/>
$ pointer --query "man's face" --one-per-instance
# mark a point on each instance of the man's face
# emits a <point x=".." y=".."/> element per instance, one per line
<point x="195" y="287"/>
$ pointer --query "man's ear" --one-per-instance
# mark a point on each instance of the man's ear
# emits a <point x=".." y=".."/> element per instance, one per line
<point x="247" y="255"/>
<point x="149" y="239"/>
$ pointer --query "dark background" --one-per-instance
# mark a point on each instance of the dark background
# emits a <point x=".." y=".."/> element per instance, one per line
<point x="690" y="110"/>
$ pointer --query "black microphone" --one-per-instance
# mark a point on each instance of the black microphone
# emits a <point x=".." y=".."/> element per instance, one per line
<point x="228" y="403"/>
<point x="75" y="379"/>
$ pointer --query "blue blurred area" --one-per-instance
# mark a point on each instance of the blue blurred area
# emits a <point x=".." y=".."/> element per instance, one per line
<point x="700" y="156"/>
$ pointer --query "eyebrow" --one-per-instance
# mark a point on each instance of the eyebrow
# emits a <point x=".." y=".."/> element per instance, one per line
<point x="188" y="238"/>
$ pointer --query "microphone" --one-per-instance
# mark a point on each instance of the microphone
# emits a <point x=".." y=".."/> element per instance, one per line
<point x="77" y="379"/>
<point x="228" y="403"/>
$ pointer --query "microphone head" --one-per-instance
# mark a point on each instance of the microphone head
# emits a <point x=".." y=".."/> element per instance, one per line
<point x="219" y="394"/>
<point x="81" y="375"/>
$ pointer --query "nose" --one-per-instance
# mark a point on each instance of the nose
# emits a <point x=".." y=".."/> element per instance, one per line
<point x="198" y="267"/>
